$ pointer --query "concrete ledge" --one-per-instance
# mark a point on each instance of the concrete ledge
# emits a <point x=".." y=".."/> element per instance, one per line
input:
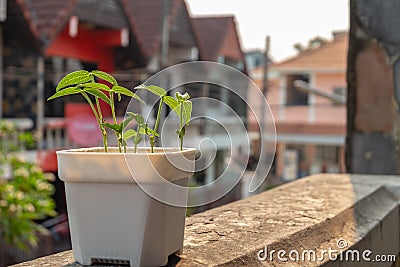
<point x="312" y="213"/>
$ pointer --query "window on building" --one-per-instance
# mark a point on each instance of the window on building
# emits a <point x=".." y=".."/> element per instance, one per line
<point x="295" y="97"/>
<point x="329" y="154"/>
<point x="294" y="157"/>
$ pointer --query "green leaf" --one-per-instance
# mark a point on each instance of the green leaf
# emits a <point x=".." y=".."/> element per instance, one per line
<point x="142" y="130"/>
<point x="98" y="94"/>
<point x="154" y="89"/>
<point x="105" y="76"/>
<point x="138" y="118"/>
<point x="187" y="111"/>
<point x="137" y="98"/>
<point x="74" y="78"/>
<point x="96" y="86"/>
<point x="125" y="91"/>
<point x="176" y="106"/>
<point x="116" y="127"/>
<point x="171" y="102"/>
<point x="181" y="97"/>
<point x="64" y="92"/>
<point x="152" y="132"/>
<point x="128" y="134"/>
<point x="126" y="122"/>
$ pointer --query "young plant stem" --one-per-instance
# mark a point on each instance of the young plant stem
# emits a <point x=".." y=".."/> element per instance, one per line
<point x="181" y="126"/>
<point x="99" y="121"/>
<point x="152" y="138"/>
<point x="135" y="150"/>
<point x="181" y="141"/>
<point x="158" y="114"/>
<point x="152" y="143"/>
<point x="136" y="138"/>
<point x="119" y="135"/>
<point x="99" y="110"/>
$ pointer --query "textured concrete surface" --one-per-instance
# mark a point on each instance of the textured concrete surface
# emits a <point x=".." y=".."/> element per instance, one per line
<point x="312" y="213"/>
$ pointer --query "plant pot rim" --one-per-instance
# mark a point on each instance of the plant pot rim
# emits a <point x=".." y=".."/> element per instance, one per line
<point x="113" y="151"/>
<point x="95" y="165"/>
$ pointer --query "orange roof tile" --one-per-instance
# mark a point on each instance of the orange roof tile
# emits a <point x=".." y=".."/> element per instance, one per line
<point x="17" y="14"/>
<point x="48" y="17"/>
<point x="217" y="35"/>
<point x="331" y="55"/>
<point x="145" y="17"/>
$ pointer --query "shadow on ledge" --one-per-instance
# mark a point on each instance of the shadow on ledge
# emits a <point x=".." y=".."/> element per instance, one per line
<point x="173" y="260"/>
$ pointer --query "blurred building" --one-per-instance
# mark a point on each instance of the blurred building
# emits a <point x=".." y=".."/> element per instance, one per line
<point x="310" y="128"/>
<point x="254" y="59"/>
<point x="132" y="39"/>
<point x="218" y="40"/>
<point x="19" y="51"/>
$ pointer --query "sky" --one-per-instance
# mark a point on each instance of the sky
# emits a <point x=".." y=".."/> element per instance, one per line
<point x="286" y="21"/>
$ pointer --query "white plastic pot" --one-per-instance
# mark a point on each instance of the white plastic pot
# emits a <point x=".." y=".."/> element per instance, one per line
<point x="112" y="220"/>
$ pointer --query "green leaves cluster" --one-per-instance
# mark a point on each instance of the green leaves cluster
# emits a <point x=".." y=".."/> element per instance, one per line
<point x="142" y="129"/>
<point x="25" y="193"/>
<point x="12" y="140"/>
<point x="84" y="83"/>
<point x="180" y="105"/>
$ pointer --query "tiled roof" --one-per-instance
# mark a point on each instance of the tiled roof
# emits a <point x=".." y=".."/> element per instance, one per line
<point x="331" y="55"/>
<point x="48" y="17"/>
<point x="145" y="18"/>
<point x="102" y="13"/>
<point x="212" y="33"/>
<point x="21" y="22"/>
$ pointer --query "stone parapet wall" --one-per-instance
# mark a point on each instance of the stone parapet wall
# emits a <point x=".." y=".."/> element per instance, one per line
<point x="321" y="212"/>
